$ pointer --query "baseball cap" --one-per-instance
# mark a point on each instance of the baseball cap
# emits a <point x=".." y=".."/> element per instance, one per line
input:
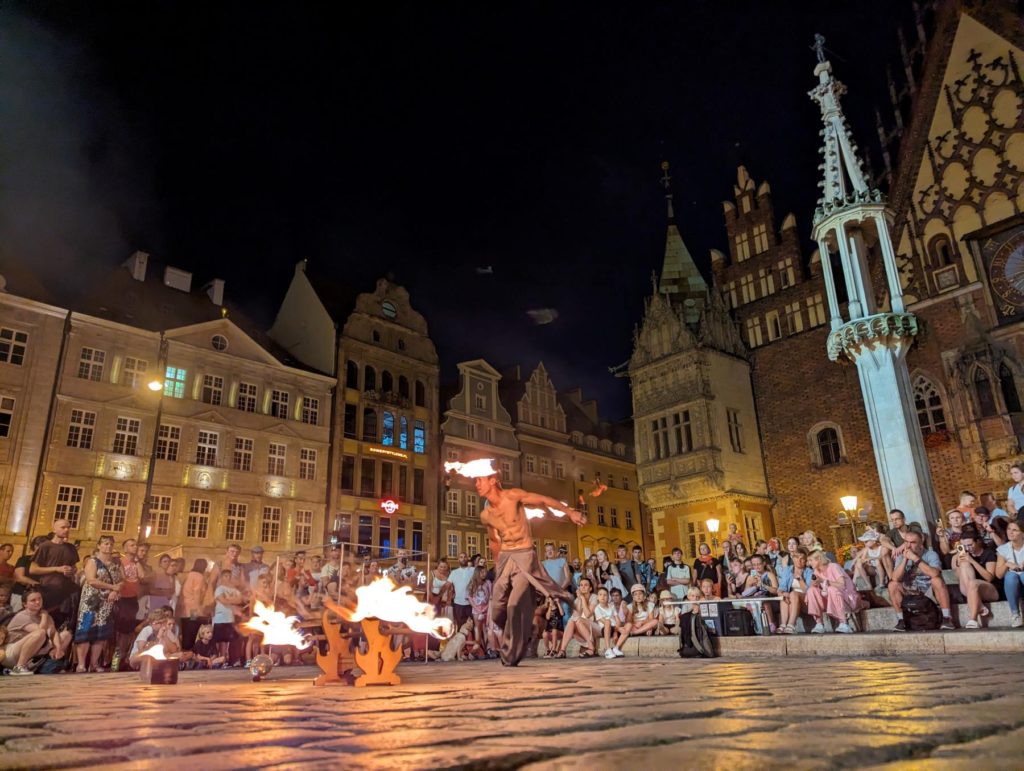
<point x="870" y="535"/>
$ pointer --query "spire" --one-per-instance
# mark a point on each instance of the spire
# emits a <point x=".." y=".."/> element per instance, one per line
<point x="680" y="278"/>
<point x="844" y="180"/>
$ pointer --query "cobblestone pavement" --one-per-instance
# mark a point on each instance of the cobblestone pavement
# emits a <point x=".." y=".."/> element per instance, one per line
<point x="936" y="712"/>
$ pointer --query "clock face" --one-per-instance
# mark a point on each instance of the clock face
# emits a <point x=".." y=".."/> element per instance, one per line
<point x="1006" y="275"/>
<point x="388" y="309"/>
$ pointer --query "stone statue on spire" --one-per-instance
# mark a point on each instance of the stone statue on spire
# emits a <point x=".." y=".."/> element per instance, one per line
<point x="819" y="46"/>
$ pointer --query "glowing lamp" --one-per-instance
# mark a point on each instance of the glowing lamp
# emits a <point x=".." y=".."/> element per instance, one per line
<point x="849" y="502"/>
<point x="155" y="385"/>
<point x="713" y="525"/>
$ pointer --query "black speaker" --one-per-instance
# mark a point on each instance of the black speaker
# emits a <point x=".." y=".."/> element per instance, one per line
<point x="737" y="622"/>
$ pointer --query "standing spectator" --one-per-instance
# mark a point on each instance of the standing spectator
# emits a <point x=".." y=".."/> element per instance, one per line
<point x="656" y="578"/>
<point x="440" y="590"/>
<point x="460" y="578"/>
<point x="968" y="502"/>
<point x="127" y="607"/>
<point x="100" y="587"/>
<point x="734" y="533"/>
<point x="479" y="594"/>
<point x="580" y="624"/>
<point x="231" y="564"/>
<point x="6" y="568"/>
<point x="22" y="580"/>
<point x="625" y="566"/>
<point x="227" y="599"/>
<point x="832" y="592"/>
<point x="898" y="528"/>
<point x="988" y="500"/>
<point x="607" y="573"/>
<point x="33" y="621"/>
<point x="191" y="610"/>
<point x="256" y="567"/>
<point x="641" y="569"/>
<point x="403" y="572"/>
<point x="949" y="537"/>
<point x="53" y="565"/>
<point x="1010" y="568"/>
<point x="677" y="574"/>
<point x="707" y="566"/>
<point x="557" y="567"/>
<point x="160" y="583"/>
<point x="917" y="570"/>
<point x="1015" y="495"/>
<point x="975" y="564"/>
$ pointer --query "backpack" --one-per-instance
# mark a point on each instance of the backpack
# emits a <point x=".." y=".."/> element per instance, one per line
<point x="920" y="614"/>
<point x="694" y="638"/>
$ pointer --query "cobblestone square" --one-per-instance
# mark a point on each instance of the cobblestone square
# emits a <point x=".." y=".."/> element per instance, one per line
<point x="935" y="712"/>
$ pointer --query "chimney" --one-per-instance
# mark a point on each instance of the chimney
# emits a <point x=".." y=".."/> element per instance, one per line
<point x="136" y="265"/>
<point x="179" y="279"/>
<point x="215" y="289"/>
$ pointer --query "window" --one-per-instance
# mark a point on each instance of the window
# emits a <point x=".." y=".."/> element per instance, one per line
<point x="219" y="343"/>
<point x="815" y="311"/>
<point x="472" y="543"/>
<point x="369" y="378"/>
<point x="659" y="435"/>
<point x="794" y="318"/>
<point x="160" y="514"/>
<point x="365" y="532"/>
<point x="307" y="463"/>
<point x="270" y="527"/>
<point x="600" y="516"/>
<point x="615" y="517"/>
<point x="242" y="460"/>
<point x="206" y="448"/>
<point x="1009" y="389"/>
<point x="81" y="428"/>
<point x="387" y="479"/>
<point x="115" y="511"/>
<point x="167" y="442"/>
<point x="506" y="471"/>
<point x="773" y="324"/>
<point x="368" y="478"/>
<point x="213" y="389"/>
<point x="134" y="372"/>
<point x="760" y="239"/>
<point x="530" y="464"/>
<point x="174" y="382"/>
<point x="742" y="242"/>
<point x="545" y="467"/>
<point x="384" y="535"/>
<point x="421" y="394"/>
<point x="417" y="537"/>
<point x="729" y="295"/>
<point x="126" y="436"/>
<point x="625" y="483"/>
<point x="279" y="404"/>
<point x="559" y="470"/>
<point x="683" y="435"/>
<point x="351" y="374"/>
<point x="348" y="474"/>
<point x="787" y="273"/>
<point x="453" y="545"/>
<point x="303" y="534"/>
<point x="275" y="459"/>
<point x="310" y="410"/>
<point x="828" y="447"/>
<point x="480" y="401"/>
<point x="349" y="422"/>
<point x="747" y="289"/>
<point x="69" y="504"/>
<point x="419" y="437"/>
<point x="767" y="281"/>
<point x="629" y="520"/>
<point x="403" y="432"/>
<point x="983" y="390"/>
<point x="472" y="505"/>
<point x="471" y="431"/>
<point x="234" y="525"/>
<point x="754" y="338"/>
<point x="12" y="346"/>
<point x="403" y="482"/>
<point x="247" y="397"/>
<point x="375" y="335"/>
<point x="387" y="382"/>
<point x="369" y="424"/>
<point x="940" y="251"/>
<point x="735" y="430"/>
<point x="451" y="502"/>
<point x="930" y="415"/>
<point x="403" y="385"/>
<point x="388" y="437"/>
<point x="417" y="485"/>
<point x="90" y="364"/>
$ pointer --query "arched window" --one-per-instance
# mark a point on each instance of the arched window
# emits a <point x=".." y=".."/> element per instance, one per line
<point x="403" y="386"/>
<point x="369" y="378"/>
<point x="930" y="415"/>
<point x="828" y="447"/>
<point x="421" y="394"/>
<point x="376" y="336"/>
<point x="351" y="374"/>
<point x="419" y="437"/>
<point x="387" y="383"/>
<point x="940" y="250"/>
<point x="388" y="438"/>
<point x="984" y="393"/>
<point x="369" y="425"/>
<point x="1009" y="388"/>
<point x="403" y="434"/>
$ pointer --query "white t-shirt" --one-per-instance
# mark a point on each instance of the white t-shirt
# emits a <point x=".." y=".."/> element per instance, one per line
<point x="677" y="572"/>
<point x="1016" y="494"/>
<point x="1010" y="554"/>
<point x="600" y="614"/>
<point x="223" y="614"/>
<point x="460" y="578"/>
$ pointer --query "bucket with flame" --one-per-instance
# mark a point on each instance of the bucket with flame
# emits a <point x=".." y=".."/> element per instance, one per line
<point x="156" y="668"/>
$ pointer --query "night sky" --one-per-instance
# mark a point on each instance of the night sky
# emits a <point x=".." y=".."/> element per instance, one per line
<point x="421" y="140"/>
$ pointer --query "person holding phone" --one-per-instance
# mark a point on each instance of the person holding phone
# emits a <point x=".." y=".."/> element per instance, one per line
<point x="1010" y="568"/>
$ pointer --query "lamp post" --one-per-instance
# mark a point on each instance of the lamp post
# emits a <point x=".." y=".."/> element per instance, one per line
<point x="713" y="525"/>
<point x="156" y="386"/>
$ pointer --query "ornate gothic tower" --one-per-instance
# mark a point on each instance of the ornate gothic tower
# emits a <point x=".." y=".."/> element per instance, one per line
<point x="852" y="217"/>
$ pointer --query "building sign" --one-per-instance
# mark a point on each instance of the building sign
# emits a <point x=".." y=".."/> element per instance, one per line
<point x="389" y="452"/>
<point x="389" y="505"/>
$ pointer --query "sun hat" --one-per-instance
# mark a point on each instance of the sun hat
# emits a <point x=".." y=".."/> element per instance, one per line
<point x="637" y="588"/>
<point x="870" y="535"/>
<point x="665" y="595"/>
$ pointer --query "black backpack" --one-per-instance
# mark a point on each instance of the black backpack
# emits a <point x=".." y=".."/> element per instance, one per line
<point x="695" y="641"/>
<point x="920" y="614"/>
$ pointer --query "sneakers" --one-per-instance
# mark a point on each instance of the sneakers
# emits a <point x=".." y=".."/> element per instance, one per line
<point x="1016" y="621"/>
<point x="901" y="626"/>
<point x="618" y="653"/>
<point x="972" y="625"/>
<point x="947" y="624"/>
<point x="610" y="653"/>
<point x="818" y="629"/>
<point x="844" y="628"/>
<point x="20" y="671"/>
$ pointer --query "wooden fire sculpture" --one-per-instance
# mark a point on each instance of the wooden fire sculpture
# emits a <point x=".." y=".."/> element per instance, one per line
<point x="379" y="661"/>
<point x="338" y="661"/>
<point x="344" y="655"/>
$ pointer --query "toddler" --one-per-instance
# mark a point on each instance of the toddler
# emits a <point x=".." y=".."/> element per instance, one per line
<point x="553" y="627"/>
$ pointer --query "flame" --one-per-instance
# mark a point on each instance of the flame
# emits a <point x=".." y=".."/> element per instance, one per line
<point x="481" y="467"/>
<point x="382" y="599"/>
<point x="276" y="627"/>
<point x="157" y="652"/>
<point x="536" y="513"/>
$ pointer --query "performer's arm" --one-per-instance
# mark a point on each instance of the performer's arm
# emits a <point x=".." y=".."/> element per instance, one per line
<point x="536" y="499"/>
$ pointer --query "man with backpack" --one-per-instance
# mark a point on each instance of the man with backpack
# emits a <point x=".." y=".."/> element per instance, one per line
<point x="917" y="570"/>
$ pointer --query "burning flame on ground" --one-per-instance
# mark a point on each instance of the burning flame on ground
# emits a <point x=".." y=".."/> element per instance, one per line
<point x="481" y="467"/>
<point x="382" y="599"/>
<point x="276" y="627"/>
<point x="157" y="652"/>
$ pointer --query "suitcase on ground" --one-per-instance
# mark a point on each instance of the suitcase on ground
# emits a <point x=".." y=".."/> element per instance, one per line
<point x="737" y="622"/>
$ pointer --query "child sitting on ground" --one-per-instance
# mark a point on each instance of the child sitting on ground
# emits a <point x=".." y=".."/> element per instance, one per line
<point x="668" y="617"/>
<point x="204" y="652"/>
<point x="553" y="627"/>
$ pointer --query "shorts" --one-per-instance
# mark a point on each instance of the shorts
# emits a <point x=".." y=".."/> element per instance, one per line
<point x="462" y="614"/>
<point x="224" y="633"/>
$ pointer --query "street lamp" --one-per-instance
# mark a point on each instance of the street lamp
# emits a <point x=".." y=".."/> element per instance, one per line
<point x="713" y="525"/>
<point x="156" y="387"/>
<point x="849" y="503"/>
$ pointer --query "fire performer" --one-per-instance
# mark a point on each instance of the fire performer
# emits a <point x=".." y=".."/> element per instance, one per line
<point x="518" y="573"/>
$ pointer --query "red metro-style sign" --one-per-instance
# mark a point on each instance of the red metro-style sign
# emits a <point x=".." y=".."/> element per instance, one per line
<point x="389" y="505"/>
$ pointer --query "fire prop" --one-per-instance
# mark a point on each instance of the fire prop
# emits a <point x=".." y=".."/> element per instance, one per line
<point x="157" y="668"/>
<point x="481" y="467"/>
<point x="378" y="601"/>
<point x="276" y="627"/>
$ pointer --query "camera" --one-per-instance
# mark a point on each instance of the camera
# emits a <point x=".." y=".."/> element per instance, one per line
<point x="959" y="548"/>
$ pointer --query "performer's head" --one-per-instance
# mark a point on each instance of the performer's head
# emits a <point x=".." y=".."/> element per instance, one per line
<point x="487" y="485"/>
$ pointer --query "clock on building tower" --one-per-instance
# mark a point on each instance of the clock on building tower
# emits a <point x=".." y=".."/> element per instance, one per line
<point x="1003" y="254"/>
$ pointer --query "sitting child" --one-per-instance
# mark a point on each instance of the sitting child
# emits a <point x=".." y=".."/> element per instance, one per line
<point x="204" y="651"/>
<point x="668" y="616"/>
<point x="553" y="627"/>
<point x="159" y="631"/>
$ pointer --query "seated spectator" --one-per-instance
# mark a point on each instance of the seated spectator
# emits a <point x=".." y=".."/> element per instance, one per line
<point x="553" y="627"/>
<point x="159" y="631"/>
<point x="949" y="537"/>
<point x="831" y="592"/>
<point x="898" y="528"/>
<point x="605" y="619"/>
<point x="988" y="500"/>
<point x="793" y="583"/>
<point x="872" y="566"/>
<point x="645" y="612"/>
<point x="580" y="626"/>
<point x="6" y="568"/>
<point x="774" y="550"/>
<point x="968" y="502"/>
<point x="707" y="566"/>
<point x="622" y="614"/>
<point x="30" y="633"/>
<point x="917" y="569"/>
<point x="6" y="609"/>
<point x="668" y="614"/>
<point x="982" y="522"/>
<point x="22" y="580"/>
<point x="1010" y="568"/>
<point x="204" y="650"/>
<point x="975" y="565"/>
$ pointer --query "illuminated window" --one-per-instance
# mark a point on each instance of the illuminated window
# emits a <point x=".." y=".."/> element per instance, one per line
<point x="388" y="437"/>
<point x="126" y="436"/>
<point x="234" y="525"/>
<point x="69" y="504"/>
<point x="403" y="432"/>
<point x="115" y="511"/>
<point x="773" y="324"/>
<point x="90" y="364"/>
<point x="80" y="429"/>
<point x="767" y="281"/>
<point x="307" y="463"/>
<point x="247" y="397"/>
<point x="174" y="382"/>
<point x="815" y="311"/>
<point x="742" y="244"/>
<point x="270" y="527"/>
<point x="754" y="338"/>
<point x="167" y="441"/>
<point x="747" y="291"/>
<point x="735" y="430"/>
<point x="794" y="318"/>
<point x="787" y="273"/>
<point x="760" y="239"/>
<point x="683" y="436"/>
<point x="419" y="437"/>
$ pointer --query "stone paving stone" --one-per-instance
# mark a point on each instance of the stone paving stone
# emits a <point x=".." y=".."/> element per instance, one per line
<point x="111" y="737"/>
<point x="252" y="757"/>
<point x="64" y="758"/>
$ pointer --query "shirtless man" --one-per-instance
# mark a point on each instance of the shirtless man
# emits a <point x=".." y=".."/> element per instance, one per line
<point x="518" y="574"/>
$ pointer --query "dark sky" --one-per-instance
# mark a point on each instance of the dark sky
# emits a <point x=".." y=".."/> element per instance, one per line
<point x="423" y="140"/>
